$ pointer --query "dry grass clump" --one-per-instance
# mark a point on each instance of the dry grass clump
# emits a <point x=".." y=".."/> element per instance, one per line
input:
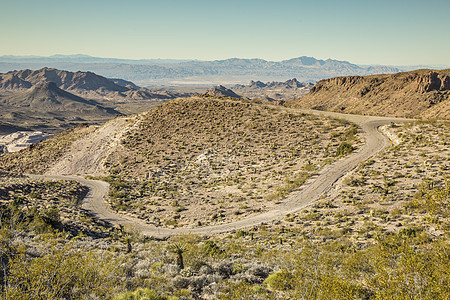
<point x="193" y="162"/>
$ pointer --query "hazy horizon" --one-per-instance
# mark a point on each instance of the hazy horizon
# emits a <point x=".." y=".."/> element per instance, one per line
<point x="376" y="33"/>
<point x="80" y="55"/>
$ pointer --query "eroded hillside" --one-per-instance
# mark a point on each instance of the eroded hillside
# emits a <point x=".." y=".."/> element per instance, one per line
<point x="421" y="93"/>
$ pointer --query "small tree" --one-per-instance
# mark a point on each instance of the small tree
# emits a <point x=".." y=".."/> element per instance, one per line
<point x="178" y="249"/>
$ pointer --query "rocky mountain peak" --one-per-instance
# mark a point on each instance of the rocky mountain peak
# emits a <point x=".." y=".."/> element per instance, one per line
<point x="222" y="91"/>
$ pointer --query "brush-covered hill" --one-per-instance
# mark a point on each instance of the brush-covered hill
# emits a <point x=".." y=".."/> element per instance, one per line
<point x="420" y="93"/>
<point x="194" y="161"/>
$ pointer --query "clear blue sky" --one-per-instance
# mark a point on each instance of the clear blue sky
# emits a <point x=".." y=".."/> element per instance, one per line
<point x="394" y="32"/>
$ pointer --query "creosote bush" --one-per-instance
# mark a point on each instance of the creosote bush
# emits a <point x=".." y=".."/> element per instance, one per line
<point x="344" y="148"/>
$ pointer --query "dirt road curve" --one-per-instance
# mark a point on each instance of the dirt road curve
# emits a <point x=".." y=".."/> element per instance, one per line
<point x="375" y="142"/>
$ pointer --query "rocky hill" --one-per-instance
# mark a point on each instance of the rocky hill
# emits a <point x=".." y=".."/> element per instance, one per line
<point x="421" y="93"/>
<point x="47" y="97"/>
<point x="221" y="91"/>
<point x="280" y="91"/>
<point x="51" y="98"/>
<point x="86" y="81"/>
<point x="47" y="107"/>
<point x="84" y="84"/>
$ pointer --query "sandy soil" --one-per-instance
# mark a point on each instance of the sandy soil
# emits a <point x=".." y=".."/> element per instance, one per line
<point x="88" y="154"/>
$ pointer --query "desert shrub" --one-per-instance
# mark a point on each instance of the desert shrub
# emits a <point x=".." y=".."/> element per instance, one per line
<point x="244" y="290"/>
<point x="344" y="148"/>
<point x="142" y="294"/>
<point x="281" y="280"/>
<point x="350" y="133"/>
<point x="50" y="216"/>
<point x="62" y="273"/>
<point x="210" y="248"/>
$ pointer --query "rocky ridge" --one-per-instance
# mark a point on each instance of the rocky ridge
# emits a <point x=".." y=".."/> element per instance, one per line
<point x="421" y="93"/>
<point x="84" y="84"/>
<point x="274" y="90"/>
<point x="221" y="91"/>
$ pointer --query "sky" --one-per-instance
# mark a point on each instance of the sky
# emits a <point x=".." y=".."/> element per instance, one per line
<point x="394" y="32"/>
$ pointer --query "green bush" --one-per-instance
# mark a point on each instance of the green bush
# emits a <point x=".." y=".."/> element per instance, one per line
<point x="344" y="149"/>
<point x="143" y="294"/>
<point x="281" y="280"/>
<point x="62" y="273"/>
<point x="211" y="248"/>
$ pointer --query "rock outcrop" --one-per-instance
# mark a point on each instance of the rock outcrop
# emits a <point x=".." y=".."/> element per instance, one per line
<point x="420" y="93"/>
<point x="273" y="91"/>
<point x="221" y="91"/>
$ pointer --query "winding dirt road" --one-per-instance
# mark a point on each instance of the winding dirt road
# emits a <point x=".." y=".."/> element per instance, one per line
<point x="296" y="201"/>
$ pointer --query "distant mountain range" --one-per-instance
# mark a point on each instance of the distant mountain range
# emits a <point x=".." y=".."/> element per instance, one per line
<point x="228" y="71"/>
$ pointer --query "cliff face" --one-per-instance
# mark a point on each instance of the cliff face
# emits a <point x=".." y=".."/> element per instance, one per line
<point x="421" y="93"/>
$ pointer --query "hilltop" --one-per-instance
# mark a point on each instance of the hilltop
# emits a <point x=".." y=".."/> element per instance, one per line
<point x="221" y="91"/>
<point x="421" y="93"/>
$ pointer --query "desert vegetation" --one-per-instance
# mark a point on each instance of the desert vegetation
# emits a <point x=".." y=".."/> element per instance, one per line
<point x="382" y="233"/>
<point x="195" y="162"/>
<point x="271" y="261"/>
<point x="403" y="189"/>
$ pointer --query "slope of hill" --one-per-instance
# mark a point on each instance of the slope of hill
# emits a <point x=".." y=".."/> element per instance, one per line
<point x="232" y="70"/>
<point x="47" y="97"/>
<point x="420" y="93"/>
<point x="54" y="98"/>
<point x="188" y="161"/>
